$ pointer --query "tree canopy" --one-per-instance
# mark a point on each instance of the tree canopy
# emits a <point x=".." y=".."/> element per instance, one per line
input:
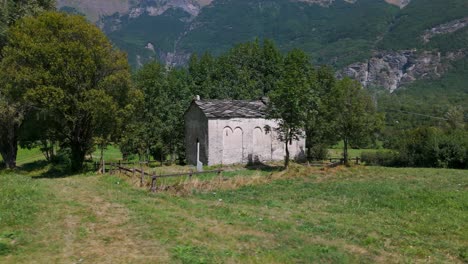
<point x="356" y="118"/>
<point x="12" y="10"/>
<point x="294" y="98"/>
<point x="65" y="67"/>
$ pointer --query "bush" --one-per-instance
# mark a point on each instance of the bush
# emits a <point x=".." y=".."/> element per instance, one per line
<point x="453" y="150"/>
<point x="63" y="157"/>
<point x="381" y="158"/>
<point x="318" y="152"/>
<point x="425" y="147"/>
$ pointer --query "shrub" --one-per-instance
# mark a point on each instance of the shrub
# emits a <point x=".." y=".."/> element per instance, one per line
<point x="425" y="147"/>
<point x="381" y="158"/>
<point x="318" y="152"/>
<point x="62" y="157"/>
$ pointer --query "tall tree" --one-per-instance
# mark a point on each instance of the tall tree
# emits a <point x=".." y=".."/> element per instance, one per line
<point x="355" y="113"/>
<point x="294" y="99"/>
<point x="320" y="126"/>
<point x="12" y="112"/>
<point x="64" y="64"/>
<point x="159" y="128"/>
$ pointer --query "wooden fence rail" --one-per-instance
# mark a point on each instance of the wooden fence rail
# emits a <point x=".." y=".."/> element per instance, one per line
<point x="153" y="176"/>
<point x="334" y="162"/>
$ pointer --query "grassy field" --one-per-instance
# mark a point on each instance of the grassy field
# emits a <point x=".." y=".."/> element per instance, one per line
<point x="27" y="156"/>
<point x="343" y="215"/>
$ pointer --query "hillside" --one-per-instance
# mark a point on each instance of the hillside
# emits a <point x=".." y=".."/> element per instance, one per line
<point x="388" y="44"/>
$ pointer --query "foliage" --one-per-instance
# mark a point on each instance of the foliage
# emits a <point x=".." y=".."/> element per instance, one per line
<point x="158" y="127"/>
<point x="380" y="158"/>
<point x="431" y="147"/>
<point x="11" y="112"/>
<point x="12" y="10"/>
<point x="247" y="71"/>
<point x="425" y="147"/>
<point x="320" y="125"/>
<point x="410" y="23"/>
<point x="294" y="99"/>
<point x="355" y="114"/>
<point x="66" y="68"/>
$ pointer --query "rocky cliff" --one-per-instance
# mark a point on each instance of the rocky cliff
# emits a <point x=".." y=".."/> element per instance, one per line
<point x="392" y="70"/>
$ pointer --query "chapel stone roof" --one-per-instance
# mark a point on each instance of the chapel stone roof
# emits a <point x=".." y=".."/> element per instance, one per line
<point x="232" y="108"/>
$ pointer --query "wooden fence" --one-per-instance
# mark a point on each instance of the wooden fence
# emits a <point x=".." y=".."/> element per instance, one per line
<point x="141" y="173"/>
<point x="333" y="162"/>
<point x="132" y="172"/>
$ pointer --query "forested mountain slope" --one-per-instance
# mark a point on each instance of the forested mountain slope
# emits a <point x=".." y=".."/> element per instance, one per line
<point x="382" y="43"/>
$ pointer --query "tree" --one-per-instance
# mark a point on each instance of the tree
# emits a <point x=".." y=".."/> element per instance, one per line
<point x="12" y="10"/>
<point x="320" y="126"/>
<point x="11" y="118"/>
<point x="247" y="71"/>
<point x="294" y="99"/>
<point x="355" y="114"/>
<point x="11" y="112"/>
<point x="454" y="117"/>
<point x="65" y="65"/>
<point x="159" y="129"/>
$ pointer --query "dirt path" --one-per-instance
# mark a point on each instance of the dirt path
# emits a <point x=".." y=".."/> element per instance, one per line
<point x="94" y="230"/>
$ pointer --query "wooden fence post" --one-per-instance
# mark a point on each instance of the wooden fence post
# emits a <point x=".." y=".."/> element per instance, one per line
<point x="103" y="166"/>
<point x="142" y="179"/>
<point x="153" y="183"/>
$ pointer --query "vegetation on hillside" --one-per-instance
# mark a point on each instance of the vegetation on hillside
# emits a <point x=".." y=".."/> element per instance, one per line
<point x="410" y="23"/>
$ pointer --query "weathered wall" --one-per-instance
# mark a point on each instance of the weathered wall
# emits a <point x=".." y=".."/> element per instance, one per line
<point x="196" y="127"/>
<point x="243" y="140"/>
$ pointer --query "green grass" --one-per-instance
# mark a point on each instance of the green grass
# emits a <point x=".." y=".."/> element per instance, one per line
<point x="360" y="214"/>
<point x="27" y="156"/>
<point x="337" y="150"/>
<point x="111" y="153"/>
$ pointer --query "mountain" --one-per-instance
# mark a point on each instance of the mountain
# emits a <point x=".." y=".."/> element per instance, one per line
<point x="382" y="43"/>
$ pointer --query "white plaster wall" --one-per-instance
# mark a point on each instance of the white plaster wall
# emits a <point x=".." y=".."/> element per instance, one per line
<point x="246" y="140"/>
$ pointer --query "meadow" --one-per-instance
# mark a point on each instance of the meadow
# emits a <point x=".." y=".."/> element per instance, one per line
<point x="303" y="215"/>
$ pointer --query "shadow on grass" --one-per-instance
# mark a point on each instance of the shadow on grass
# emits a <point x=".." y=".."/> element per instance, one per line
<point x="45" y="170"/>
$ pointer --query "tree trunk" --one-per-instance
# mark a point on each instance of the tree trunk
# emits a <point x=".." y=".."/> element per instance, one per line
<point x="103" y="165"/>
<point x="9" y="153"/>
<point x="77" y="157"/>
<point x="9" y="146"/>
<point x="345" y="152"/>
<point x="286" y="159"/>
